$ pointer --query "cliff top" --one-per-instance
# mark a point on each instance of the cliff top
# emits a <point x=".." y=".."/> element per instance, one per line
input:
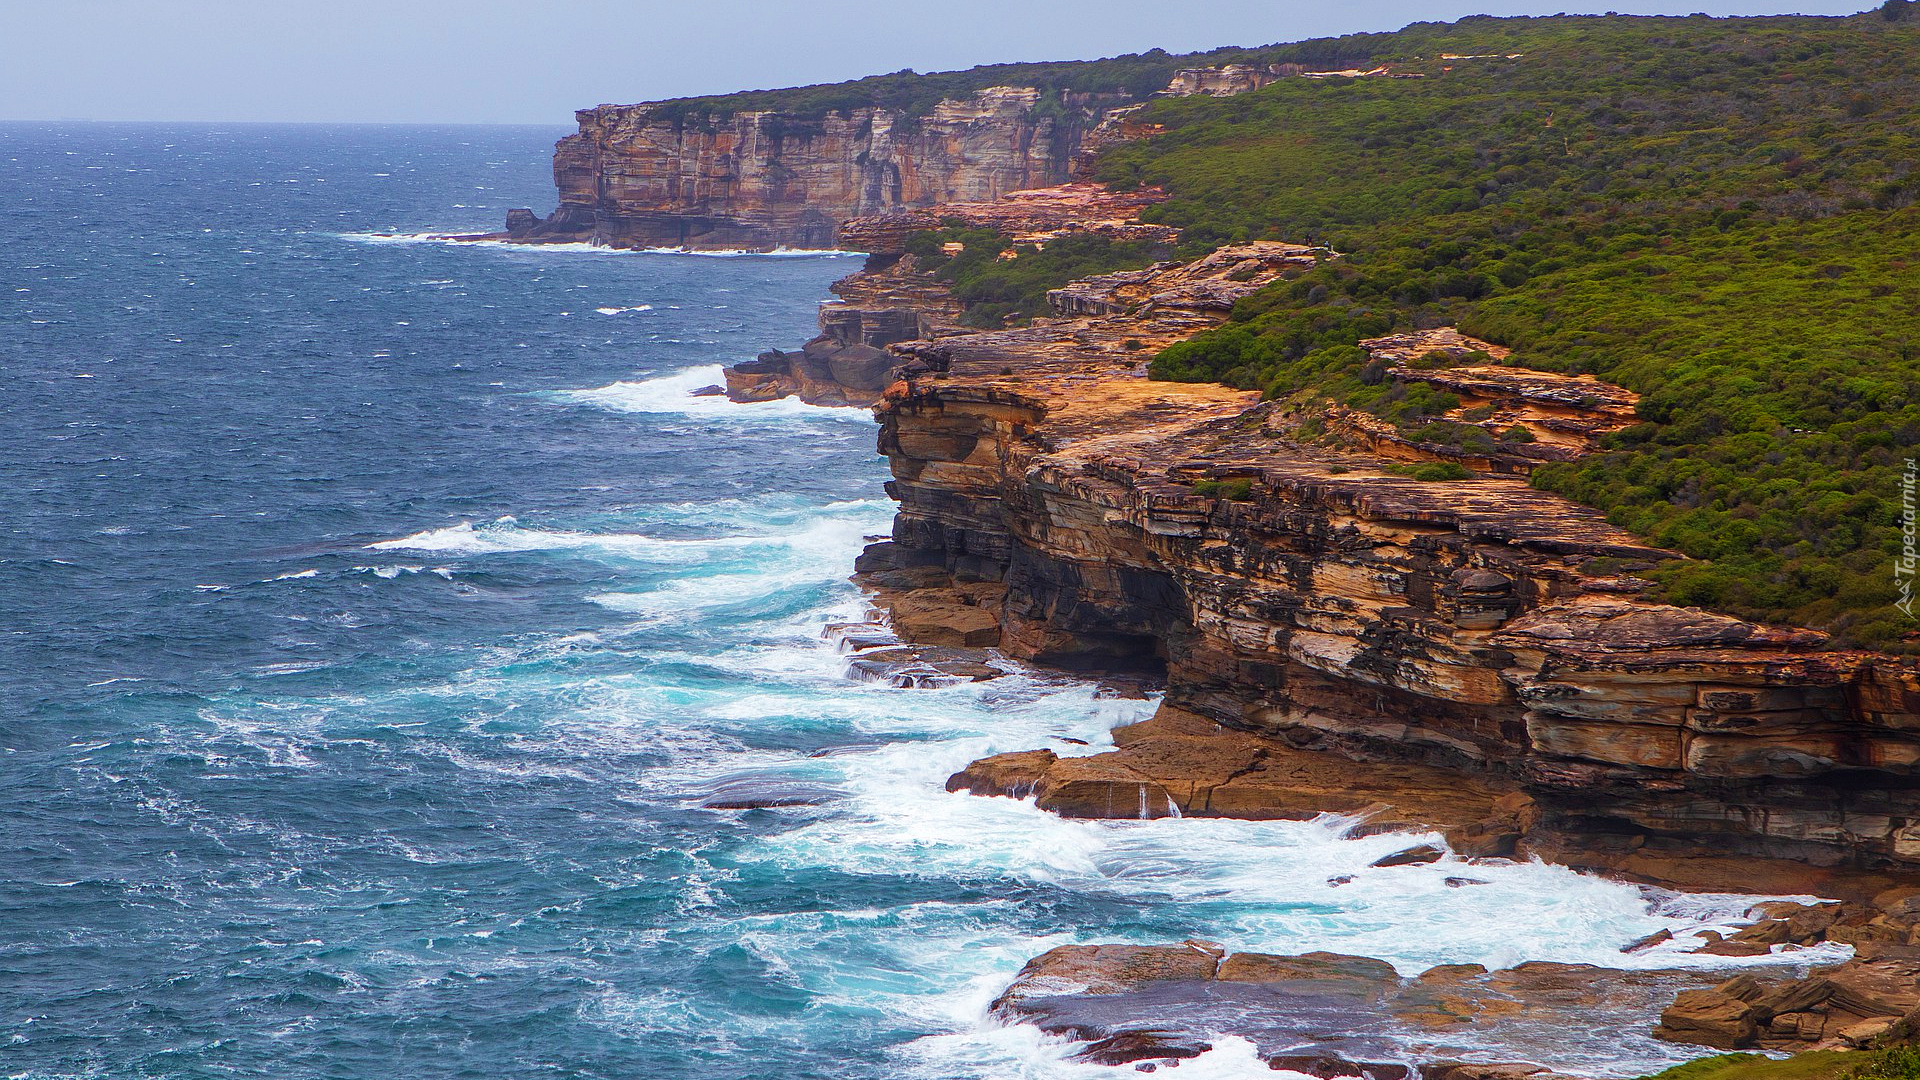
<point x="1419" y="48"/>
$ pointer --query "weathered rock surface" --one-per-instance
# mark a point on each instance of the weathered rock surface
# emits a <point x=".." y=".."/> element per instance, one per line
<point x="924" y="665"/>
<point x="1031" y="216"/>
<point x="1842" y="1007"/>
<point x="1478" y="626"/>
<point x="889" y="302"/>
<point x="1483" y="627"/>
<point x="1184" y="761"/>
<point x="639" y="176"/>
<point x="760" y="180"/>
<point x="1225" y="81"/>
<point x="1328" y="1015"/>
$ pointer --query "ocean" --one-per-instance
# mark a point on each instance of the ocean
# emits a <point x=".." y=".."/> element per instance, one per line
<point x="376" y="614"/>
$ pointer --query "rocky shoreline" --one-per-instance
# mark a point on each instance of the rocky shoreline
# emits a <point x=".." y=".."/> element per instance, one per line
<point x="1344" y="619"/>
<point x="1470" y="657"/>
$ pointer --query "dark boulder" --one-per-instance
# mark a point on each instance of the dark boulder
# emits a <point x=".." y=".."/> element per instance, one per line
<point x="1413" y="856"/>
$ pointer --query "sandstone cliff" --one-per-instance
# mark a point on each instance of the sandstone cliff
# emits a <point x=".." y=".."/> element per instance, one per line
<point x="633" y="177"/>
<point x="648" y="175"/>
<point x="1303" y="591"/>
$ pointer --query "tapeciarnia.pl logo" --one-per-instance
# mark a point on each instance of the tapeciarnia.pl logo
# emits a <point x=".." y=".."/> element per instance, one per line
<point x="1905" y="566"/>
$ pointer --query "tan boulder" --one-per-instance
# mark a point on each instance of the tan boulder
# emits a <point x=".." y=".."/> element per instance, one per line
<point x="1709" y="1018"/>
<point x="1016" y="775"/>
<point x="1101" y="787"/>
<point x="930" y="622"/>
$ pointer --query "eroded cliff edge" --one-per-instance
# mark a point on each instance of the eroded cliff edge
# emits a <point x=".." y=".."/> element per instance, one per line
<point x="639" y="176"/>
<point x="669" y="175"/>
<point x="1294" y="584"/>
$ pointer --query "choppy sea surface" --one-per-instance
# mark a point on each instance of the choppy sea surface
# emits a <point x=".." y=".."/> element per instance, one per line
<point x="376" y="613"/>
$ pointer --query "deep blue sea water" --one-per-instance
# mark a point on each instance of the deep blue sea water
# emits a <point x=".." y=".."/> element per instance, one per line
<point x="375" y="614"/>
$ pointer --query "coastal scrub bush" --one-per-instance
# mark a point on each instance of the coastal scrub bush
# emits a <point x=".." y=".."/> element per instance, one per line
<point x="1814" y="1065"/>
<point x="1001" y="282"/>
<point x="1065" y="86"/>
<point x="1231" y="490"/>
<point x="1718" y="214"/>
<point x="1889" y="1063"/>
<point x="1432" y="470"/>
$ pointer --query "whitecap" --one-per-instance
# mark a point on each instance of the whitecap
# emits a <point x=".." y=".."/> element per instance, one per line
<point x="388" y="572"/>
<point x="583" y="247"/>
<point x="1025" y="1052"/>
<point x="506" y="535"/>
<point x="619" y="310"/>
<point x="674" y="394"/>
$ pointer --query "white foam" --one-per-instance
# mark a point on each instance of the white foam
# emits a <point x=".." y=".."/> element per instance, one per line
<point x="391" y="572"/>
<point x="672" y="394"/>
<point x="505" y="535"/>
<point x="706" y="713"/>
<point x="585" y="248"/>
<point x="620" y="310"/>
<point x="1025" y="1053"/>
<point x="776" y="556"/>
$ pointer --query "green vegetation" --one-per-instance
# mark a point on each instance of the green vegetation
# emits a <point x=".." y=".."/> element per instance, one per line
<point x="1001" y="281"/>
<point x="1887" y="1063"/>
<point x="1432" y="470"/>
<point x="1132" y="77"/>
<point x="1230" y="490"/>
<point x="1897" y="1062"/>
<point x="1718" y="214"/>
<point x="1819" y="1065"/>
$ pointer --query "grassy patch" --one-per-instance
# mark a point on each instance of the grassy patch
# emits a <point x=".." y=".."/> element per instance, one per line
<point x="1822" y="1065"/>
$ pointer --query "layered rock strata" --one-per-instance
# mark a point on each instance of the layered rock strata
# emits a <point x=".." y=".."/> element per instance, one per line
<point x="656" y="175"/>
<point x="1304" y="592"/>
<point x="893" y="301"/>
<point x="640" y="176"/>
<point x="1027" y="217"/>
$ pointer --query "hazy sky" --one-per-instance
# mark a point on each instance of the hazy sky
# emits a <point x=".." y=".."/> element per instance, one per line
<point x="518" y="61"/>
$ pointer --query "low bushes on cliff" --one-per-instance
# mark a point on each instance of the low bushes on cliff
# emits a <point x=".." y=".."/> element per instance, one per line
<point x="1062" y="84"/>
<point x="1717" y="214"/>
<point x="1001" y="281"/>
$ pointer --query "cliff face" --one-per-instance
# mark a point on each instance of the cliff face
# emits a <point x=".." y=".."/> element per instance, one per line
<point x="633" y="178"/>
<point x="637" y="176"/>
<point x="1304" y="592"/>
<point x="1343" y="608"/>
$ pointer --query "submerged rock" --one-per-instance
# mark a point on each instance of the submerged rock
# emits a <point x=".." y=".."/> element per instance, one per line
<point x="757" y="792"/>
<point x="1658" y="937"/>
<point x="1417" y="855"/>
<point x="1127" y="1047"/>
<point x="927" y="666"/>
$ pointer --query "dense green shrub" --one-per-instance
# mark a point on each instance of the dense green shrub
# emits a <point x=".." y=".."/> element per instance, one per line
<point x="1231" y="490"/>
<point x="1432" y="470"/>
<point x="1132" y="77"/>
<point x="1716" y="213"/>
<point x="1001" y="281"/>
<point x="1891" y="1063"/>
